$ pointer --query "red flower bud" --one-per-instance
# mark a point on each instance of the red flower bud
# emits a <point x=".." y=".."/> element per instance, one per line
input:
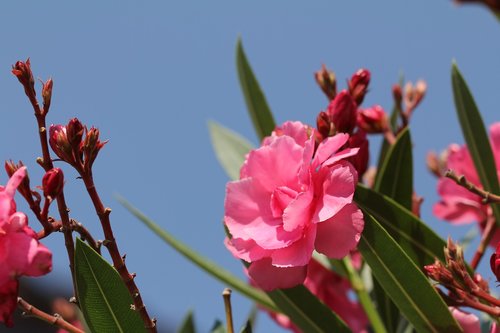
<point x="373" y="120"/>
<point x="74" y="133"/>
<point x="358" y="85"/>
<point x="323" y="124"/>
<point x="59" y="143"/>
<point x="327" y="82"/>
<point x="22" y="70"/>
<point x="52" y="183"/>
<point x="47" y="94"/>
<point x="397" y="94"/>
<point x="342" y="112"/>
<point x="360" y="160"/>
<point x="495" y="262"/>
<point x="91" y="146"/>
<point x="24" y="187"/>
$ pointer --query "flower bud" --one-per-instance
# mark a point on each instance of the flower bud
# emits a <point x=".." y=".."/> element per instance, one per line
<point x="74" y="133"/>
<point x="342" y="112"/>
<point x="495" y="262"/>
<point x="414" y="94"/>
<point x="358" y="85"/>
<point x="24" y="187"/>
<point x="52" y="183"/>
<point x="360" y="160"/>
<point x="47" y="94"/>
<point x="326" y="80"/>
<point x="323" y="124"/>
<point x="59" y="143"/>
<point x="22" y="70"/>
<point x="373" y="120"/>
<point x="397" y="94"/>
<point x="91" y="146"/>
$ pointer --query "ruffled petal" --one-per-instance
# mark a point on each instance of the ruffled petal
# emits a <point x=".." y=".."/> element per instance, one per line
<point x="298" y="213"/>
<point x="269" y="277"/>
<point x="340" y="234"/>
<point x="297" y="254"/>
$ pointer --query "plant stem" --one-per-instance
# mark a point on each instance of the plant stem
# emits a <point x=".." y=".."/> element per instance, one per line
<point x="364" y="298"/>
<point x="116" y="257"/>
<point x="226" y="294"/>
<point x="488" y="232"/>
<point x="54" y="320"/>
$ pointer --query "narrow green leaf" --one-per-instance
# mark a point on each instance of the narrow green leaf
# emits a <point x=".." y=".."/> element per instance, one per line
<point x="475" y="135"/>
<point x="306" y="311"/>
<point x="247" y="328"/>
<point x="259" y="111"/>
<point x="104" y="298"/>
<point x="395" y="177"/>
<point x="405" y="284"/>
<point x="202" y="262"/>
<point x="187" y="325"/>
<point x="419" y="242"/>
<point x="230" y="148"/>
<point x="250" y="322"/>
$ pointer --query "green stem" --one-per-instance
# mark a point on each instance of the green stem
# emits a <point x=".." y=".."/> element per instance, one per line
<point x="367" y="304"/>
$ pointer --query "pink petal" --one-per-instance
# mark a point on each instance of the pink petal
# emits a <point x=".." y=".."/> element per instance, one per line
<point x="8" y="301"/>
<point x="296" y="130"/>
<point x="337" y="190"/>
<point x="340" y="234"/>
<point x="469" y="322"/>
<point x="275" y="165"/>
<point x="14" y="181"/>
<point x="298" y="213"/>
<point x="328" y="147"/>
<point x="269" y="277"/>
<point x="297" y="254"/>
<point x="341" y="155"/>
<point x="246" y="250"/>
<point x="495" y="142"/>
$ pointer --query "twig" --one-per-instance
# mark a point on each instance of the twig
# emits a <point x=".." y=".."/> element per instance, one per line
<point x="462" y="181"/>
<point x="55" y="320"/>
<point x="226" y="294"/>
<point x="488" y="233"/>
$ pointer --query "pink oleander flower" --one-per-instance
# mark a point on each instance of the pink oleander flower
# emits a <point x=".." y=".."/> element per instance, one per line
<point x="470" y="322"/>
<point x="290" y="200"/>
<point x="20" y="251"/>
<point x="333" y="290"/>
<point x="457" y="204"/>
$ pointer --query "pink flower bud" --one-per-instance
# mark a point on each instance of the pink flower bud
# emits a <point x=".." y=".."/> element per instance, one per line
<point x="53" y="183"/>
<point x="358" y="85"/>
<point x="342" y="112"/>
<point x="59" y="143"/>
<point x="91" y="146"/>
<point x="326" y="80"/>
<point x="323" y="124"/>
<point x="22" y="70"/>
<point x="495" y="262"/>
<point x="24" y="186"/>
<point x="47" y="94"/>
<point x="373" y="120"/>
<point x="360" y="160"/>
<point x="74" y="133"/>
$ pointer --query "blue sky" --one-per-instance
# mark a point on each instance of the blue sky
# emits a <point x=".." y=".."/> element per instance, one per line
<point x="150" y="75"/>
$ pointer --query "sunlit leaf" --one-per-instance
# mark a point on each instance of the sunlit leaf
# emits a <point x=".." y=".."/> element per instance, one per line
<point x="403" y="281"/>
<point x="258" y="109"/>
<point x="103" y="297"/>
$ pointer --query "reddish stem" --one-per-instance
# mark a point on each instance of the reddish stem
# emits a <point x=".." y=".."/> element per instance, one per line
<point x="112" y="247"/>
<point x="488" y="232"/>
<point x="54" y="320"/>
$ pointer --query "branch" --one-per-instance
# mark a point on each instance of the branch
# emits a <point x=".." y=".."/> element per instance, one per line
<point x="462" y="181"/>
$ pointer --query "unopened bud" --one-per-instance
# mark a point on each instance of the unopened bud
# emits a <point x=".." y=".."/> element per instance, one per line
<point x="22" y="70"/>
<point x="414" y="94"/>
<point x="59" y="143"/>
<point x="323" y="124"/>
<point x="495" y="262"/>
<point x="91" y="146"/>
<point x="74" y="133"/>
<point x="47" y="94"/>
<point x="373" y="120"/>
<point x="360" y="160"/>
<point x="53" y="183"/>
<point x="358" y="85"/>
<point x="342" y="112"/>
<point x="397" y="94"/>
<point x="327" y="82"/>
<point x="24" y="187"/>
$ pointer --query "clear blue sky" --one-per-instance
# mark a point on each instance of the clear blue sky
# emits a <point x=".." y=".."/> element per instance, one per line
<point x="150" y="74"/>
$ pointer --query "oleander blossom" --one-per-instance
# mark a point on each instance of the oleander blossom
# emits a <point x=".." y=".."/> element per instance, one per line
<point x="333" y="290"/>
<point x="458" y="205"/>
<point x="292" y="198"/>
<point x="20" y="251"/>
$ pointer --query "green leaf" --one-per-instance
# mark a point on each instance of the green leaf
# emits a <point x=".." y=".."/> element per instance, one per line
<point x="475" y="135"/>
<point x="395" y="177"/>
<point x="259" y="111"/>
<point x="247" y="328"/>
<point x="230" y="148"/>
<point x="418" y="241"/>
<point x="187" y="325"/>
<point x="307" y="311"/>
<point x="405" y="284"/>
<point x="104" y="298"/>
<point x="250" y="322"/>
<point x="202" y="262"/>
<point x="218" y="327"/>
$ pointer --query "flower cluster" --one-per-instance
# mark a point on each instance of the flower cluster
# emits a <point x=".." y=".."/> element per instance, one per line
<point x="292" y="198"/>
<point x="20" y="251"/>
